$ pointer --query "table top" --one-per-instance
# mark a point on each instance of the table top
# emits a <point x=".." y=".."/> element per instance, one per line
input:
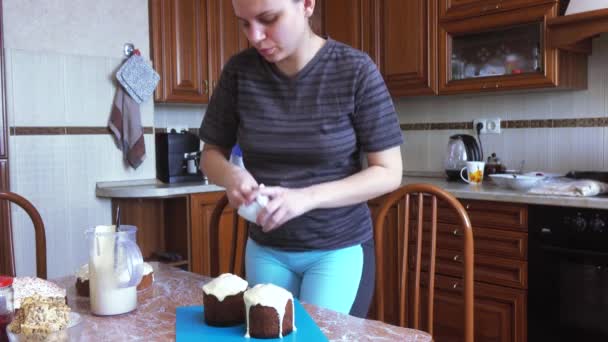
<point x="154" y="318"/>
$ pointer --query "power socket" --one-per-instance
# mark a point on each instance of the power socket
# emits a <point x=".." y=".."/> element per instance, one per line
<point x="489" y="126"/>
<point x="493" y="126"/>
<point x="483" y="126"/>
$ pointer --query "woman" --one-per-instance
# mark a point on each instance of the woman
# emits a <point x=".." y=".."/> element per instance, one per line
<point x="303" y="109"/>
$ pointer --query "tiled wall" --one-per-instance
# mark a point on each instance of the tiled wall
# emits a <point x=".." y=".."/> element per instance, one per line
<point x="551" y="149"/>
<point x="178" y="115"/>
<point x="60" y="59"/>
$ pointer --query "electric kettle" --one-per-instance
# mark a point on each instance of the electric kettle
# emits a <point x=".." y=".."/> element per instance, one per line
<point x="461" y="148"/>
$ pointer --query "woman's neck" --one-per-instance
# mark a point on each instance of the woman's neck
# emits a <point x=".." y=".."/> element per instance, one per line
<point x="309" y="47"/>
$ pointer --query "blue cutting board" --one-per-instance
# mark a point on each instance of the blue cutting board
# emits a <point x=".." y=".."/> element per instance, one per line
<point x="190" y="326"/>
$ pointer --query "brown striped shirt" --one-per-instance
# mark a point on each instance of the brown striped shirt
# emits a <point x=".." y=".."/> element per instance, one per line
<point x="304" y="130"/>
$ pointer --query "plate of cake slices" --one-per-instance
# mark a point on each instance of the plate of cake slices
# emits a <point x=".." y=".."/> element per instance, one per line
<point x="232" y="311"/>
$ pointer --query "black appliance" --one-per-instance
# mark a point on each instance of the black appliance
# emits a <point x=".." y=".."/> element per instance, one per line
<point x="173" y="150"/>
<point x="568" y="274"/>
<point x="461" y="148"/>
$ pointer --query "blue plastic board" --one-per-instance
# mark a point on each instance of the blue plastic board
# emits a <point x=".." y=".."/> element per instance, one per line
<point x="190" y="326"/>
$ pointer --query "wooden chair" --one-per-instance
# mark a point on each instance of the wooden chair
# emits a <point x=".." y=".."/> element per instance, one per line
<point x="401" y="199"/>
<point x="228" y="236"/>
<point x="38" y="229"/>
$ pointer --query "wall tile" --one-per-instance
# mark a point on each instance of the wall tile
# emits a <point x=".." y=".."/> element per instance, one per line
<point x="89" y="90"/>
<point x="576" y="149"/>
<point x="38" y="172"/>
<point x="169" y="115"/>
<point x="38" y="92"/>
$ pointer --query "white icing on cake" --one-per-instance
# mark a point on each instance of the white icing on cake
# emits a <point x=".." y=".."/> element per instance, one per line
<point x="147" y="269"/>
<point x="272" y="296"/>
<point x="29" y="286"/>
<point x="225" y="285"/>
<point x="83" y="272"/>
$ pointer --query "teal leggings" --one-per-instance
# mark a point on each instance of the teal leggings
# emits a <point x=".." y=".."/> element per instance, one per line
<point x="327" y="278"/>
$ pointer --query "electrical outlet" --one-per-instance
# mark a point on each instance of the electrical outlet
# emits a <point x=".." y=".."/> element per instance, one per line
<point x="493" y="126"/>
<point x="483" y="126"/>
<point x="488" y="126"/>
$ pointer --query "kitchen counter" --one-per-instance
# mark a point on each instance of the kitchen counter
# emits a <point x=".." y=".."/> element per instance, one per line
<point x="153" y="188"/>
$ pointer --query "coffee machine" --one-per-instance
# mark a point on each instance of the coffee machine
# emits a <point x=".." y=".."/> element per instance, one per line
<point x="178" y="157"/>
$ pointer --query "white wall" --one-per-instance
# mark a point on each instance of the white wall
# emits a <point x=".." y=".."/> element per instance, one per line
<point x="60" y="59"/>
<point x="551" y="149"/>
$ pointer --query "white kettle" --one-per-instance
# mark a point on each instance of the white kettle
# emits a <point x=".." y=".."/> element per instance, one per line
<point x="115" y="269"/>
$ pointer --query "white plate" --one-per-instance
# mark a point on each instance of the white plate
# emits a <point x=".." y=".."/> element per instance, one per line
<point x="543" y="174"/>
<point x="516" y="182"/>
<point x="72" y="333"/>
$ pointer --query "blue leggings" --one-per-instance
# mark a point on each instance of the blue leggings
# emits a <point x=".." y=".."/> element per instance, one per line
<point x="327" y="278"/>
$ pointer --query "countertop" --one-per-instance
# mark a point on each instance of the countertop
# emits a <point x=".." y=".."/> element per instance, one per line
<point x="487" y="191"/>
<point x="154" y="319"/>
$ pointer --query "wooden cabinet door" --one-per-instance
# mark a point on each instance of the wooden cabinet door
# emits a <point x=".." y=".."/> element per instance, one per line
<point x="500" y="312"/>
<point x="225" y="37"/>
<point x="408" y="46"/>
<point x="454" y="9"/>
<point x="201" y="240"/>
<point x="351" y="22"/>
<point x="180" y="50"/>
<point x="485" y="67"/>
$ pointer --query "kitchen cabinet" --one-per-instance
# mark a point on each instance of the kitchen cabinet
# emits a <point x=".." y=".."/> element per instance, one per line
<point x="506" y="50"/>
<point x="400" y="36"/>
<point x="501" y="269"/>
<point x="191" y="40"/>
<point x="458" y="9"/>
<point x="7" y="265"/>
<point x="162" y="226"/>
<point x="349" y="21"/>
<point x="180" y="49"/>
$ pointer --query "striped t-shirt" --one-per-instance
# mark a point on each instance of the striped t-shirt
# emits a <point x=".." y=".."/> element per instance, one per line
<point x="304" y="130"/>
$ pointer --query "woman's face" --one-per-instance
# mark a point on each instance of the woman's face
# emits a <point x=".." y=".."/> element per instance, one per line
<point x="274" y="27"/>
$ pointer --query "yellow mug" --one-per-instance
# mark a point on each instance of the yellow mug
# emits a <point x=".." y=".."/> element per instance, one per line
<point x="474" y="172"/>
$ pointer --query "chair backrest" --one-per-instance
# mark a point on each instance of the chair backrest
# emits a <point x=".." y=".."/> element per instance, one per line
<point x="38" y="229"/>
<point x="228" y="236"/>
<point x="408" y="263"/>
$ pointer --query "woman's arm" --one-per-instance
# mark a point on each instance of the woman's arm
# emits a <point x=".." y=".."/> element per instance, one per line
<point x="382" y="175"/>
<point x="240" y="185"/>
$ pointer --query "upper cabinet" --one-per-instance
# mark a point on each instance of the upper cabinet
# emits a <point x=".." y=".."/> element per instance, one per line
<point x="407" y="46"/>
<point x="505" y="50"/>
<point x="398" y="35"/>
<point x="459" y="9"/>
<point x="180" y="50"/>
<point x="191" y="40"/>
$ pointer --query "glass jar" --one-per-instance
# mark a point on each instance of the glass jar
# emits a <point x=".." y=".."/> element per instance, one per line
<point x="7" y="307"/>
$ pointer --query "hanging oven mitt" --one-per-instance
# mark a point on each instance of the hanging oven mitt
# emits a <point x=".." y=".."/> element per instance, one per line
<point x="137" y="78"/>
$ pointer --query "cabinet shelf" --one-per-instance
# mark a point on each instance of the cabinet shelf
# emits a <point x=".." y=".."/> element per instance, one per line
<point x="574" y="32"/>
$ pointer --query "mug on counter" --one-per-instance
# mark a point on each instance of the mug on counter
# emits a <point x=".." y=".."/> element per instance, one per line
<point x="474" y="172"/>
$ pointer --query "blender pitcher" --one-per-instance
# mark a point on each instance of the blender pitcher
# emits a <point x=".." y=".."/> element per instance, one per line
<point x="115" y="269"/>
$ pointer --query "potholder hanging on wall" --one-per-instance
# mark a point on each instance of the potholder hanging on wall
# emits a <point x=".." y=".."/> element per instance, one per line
<point x="138" y="78"/>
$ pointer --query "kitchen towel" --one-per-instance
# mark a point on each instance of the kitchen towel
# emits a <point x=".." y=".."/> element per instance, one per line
<point x="125" y="124"/>
<point x="578" y="188"/>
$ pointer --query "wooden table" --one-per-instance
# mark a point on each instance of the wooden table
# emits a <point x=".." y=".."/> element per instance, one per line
<point x="154" y="319"/>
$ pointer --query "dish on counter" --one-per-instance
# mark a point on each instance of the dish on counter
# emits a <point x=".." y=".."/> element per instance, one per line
<point x="73" y="332"/>
<point x="516" y="181"/>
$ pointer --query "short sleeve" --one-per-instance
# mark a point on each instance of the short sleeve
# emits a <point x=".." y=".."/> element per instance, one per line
<point x="375" y="120"/>
<point x="221" y="121"/>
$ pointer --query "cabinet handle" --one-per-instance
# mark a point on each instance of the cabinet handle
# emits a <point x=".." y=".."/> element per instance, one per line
<point x="206" y="89"/>
<point x="455" y="286"/>
<point x="467" y="206"/>
<point x="497" y="85"/>
<point x="456" y="258"/>
<point x="484" y="86"/>
<point x="456" y="232"/>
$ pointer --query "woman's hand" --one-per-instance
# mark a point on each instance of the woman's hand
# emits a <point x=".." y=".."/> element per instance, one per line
<point x="240" y="187"/>
<point x="284" y="204"/>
